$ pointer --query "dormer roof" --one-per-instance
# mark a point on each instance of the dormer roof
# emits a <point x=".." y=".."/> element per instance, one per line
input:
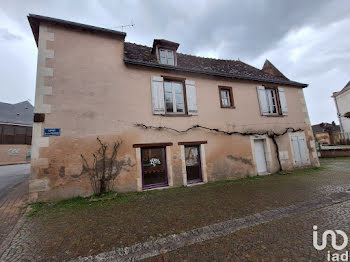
<point x="165" y="44"/>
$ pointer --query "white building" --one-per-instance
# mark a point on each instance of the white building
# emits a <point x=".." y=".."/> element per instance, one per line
<point x="342" y="103"/>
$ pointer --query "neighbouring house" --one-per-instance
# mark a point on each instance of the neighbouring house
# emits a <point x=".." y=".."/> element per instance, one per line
<point x="342" y="103"/>
<point x="182" y="119"/>
<point x="322" y="133"/>
<point x="16" y="122"/>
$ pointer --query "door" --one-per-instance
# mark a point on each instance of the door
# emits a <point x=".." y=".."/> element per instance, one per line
<point x="260" y="156"/>
<point x="193" y="164"/>
<point x="154" y="169"/>
<point x="299" y="150"/>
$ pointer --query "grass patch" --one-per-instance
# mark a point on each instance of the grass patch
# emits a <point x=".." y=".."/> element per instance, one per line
<point x="79" y="203"/>
<point x="301" y="171"/>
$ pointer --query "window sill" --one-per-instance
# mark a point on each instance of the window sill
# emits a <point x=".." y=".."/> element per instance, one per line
<point x="274" y="115"/>
<point x="228" y="107"/>
<point x="176" y="115"/>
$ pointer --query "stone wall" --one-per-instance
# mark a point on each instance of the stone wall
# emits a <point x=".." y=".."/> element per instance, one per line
<point x="14" y="154"/>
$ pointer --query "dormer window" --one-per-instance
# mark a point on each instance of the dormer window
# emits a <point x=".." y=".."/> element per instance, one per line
<point x="165" y="51"/>
<point x="166" y="57"/>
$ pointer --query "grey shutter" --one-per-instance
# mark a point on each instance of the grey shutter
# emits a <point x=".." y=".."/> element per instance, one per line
<point x="283" y="101"/>
<point x="191" y="97"/>
<point x="264" y="109"/>
<point x="296" y="150"/>
<point x="303" y="150"/>
<point x="158" y="105"/>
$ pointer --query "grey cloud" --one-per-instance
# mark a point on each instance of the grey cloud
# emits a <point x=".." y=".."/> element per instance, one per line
<point x="250" y="30"/>
<point x="5" y="34"/>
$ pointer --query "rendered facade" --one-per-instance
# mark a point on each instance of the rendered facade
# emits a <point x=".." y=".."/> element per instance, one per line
<point x="181" y="119"/>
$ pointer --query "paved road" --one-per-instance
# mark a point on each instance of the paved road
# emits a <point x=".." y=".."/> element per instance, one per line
<point x="12" y="175"/>
<point x="13" y="196"/>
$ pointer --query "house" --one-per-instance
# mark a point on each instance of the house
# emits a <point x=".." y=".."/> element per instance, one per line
<point x="182" y="119"/>
<point x="16" y="122"/>
<point x="342" y="103"/>
<point x="322" y="130"/>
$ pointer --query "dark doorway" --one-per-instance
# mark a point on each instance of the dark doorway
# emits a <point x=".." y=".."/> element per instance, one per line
<point x="154" y="170"/>
<point x="193" y="164"/>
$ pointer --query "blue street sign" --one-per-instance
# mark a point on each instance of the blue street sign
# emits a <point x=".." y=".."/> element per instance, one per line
<point x="52" y="131"/>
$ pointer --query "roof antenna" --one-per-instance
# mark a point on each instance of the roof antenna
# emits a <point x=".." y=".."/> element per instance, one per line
<point x="122" y="26"/>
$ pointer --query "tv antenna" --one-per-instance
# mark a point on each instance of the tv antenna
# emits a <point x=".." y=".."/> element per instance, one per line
<point x="123" y="26"/>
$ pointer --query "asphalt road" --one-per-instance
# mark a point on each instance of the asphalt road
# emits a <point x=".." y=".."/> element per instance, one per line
<point x="12" y="175"/>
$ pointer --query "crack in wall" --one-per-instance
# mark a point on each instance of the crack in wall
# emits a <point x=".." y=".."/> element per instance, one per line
<point x="271" y="134"/>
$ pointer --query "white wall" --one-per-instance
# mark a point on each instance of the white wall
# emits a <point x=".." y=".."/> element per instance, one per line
<point x="343" y="103"/>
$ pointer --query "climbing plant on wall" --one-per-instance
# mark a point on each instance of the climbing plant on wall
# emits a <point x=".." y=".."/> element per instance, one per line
<point x="104" y="169"/>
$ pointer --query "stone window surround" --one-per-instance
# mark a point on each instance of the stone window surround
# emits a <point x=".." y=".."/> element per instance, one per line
<point x="267" y="148"/>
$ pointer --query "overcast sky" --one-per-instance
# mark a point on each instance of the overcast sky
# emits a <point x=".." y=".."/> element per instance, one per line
<point x="309" y="41"/>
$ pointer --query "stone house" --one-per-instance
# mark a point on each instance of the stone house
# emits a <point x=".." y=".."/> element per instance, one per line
<point x="16" y="122"/>
<point x="182" y="119"/>
<point x="321" y="133"/>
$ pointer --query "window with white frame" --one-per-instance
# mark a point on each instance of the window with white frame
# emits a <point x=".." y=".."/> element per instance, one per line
<point x="174" y="97"/>
<point x="166" y="57"/>
<point x="271" y="97"/>
<point x="272" y="101"/>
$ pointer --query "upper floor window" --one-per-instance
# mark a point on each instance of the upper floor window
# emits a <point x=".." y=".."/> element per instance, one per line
<point x="272" y="101"/>
<point x="271" y="97"/>
<point x="226" y="97"/>
<point x="174" y="97"/>
<point x="166" y="57"/>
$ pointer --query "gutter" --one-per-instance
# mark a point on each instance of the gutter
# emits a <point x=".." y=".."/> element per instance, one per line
<point x="211" y="73"/>
<point x="15" y="124"/>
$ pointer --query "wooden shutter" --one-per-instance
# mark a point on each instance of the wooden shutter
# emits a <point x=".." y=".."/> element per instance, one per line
<point x="296" y="151"/>
<point x="264" y="109"/>
<point x="191" y="97"/>
<point x="283" y="101"/>
<point x="303" y="150"/>
<point x="158" y="105"/>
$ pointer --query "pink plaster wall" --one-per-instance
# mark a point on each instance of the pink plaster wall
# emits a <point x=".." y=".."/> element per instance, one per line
<point x="96" y="94"/>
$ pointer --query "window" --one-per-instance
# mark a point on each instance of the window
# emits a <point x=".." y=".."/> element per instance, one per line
<point x="193" y="164"/>
<point x="154" y="168"/>
<point x="226" y="98"/>
<point x="272" y="105"/>
<point x="272" y="101"/>
<point x="166" y="57"/>
<point x="174" y="97"/>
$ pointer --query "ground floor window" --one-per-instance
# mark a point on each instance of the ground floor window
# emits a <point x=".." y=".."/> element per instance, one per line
<point x="193" y="164"/>
<point x="154" y="168"/>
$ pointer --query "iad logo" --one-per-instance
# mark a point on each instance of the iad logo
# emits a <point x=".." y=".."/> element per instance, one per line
<point x="333" y="235"/>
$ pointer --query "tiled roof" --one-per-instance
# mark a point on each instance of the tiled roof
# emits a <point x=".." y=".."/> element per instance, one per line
<point x="271" y="69"/>
<point x="317" y="129"/>
<point x="20" y="113"/>
<point x="142" y="55"/>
